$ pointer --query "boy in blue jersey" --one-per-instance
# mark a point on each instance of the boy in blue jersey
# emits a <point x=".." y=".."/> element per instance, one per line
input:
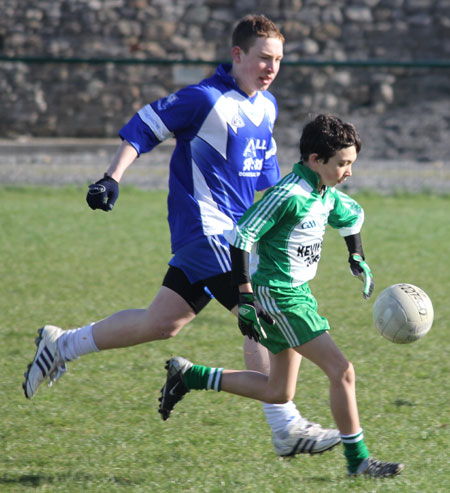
<point x="287" y="226"/>
<point x="224" y="152"/>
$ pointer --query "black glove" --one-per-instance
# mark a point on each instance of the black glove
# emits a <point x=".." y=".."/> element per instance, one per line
<point x="103" y="193"/>
<point x="249" y="312"/>
<point x="359" y="268"/>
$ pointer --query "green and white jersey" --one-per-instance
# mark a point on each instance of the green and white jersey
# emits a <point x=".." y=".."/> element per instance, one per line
<point x="288" y="224"/>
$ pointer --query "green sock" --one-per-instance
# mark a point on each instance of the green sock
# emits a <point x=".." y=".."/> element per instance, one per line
<point x="355" y="450"/>
<point x="200" y="377"/>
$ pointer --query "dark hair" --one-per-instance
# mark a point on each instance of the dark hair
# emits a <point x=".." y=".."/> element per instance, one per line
<point x="327" y="134"/>
<point x="251" y="27"/>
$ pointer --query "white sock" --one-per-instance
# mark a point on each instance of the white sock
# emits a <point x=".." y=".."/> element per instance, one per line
<point x="75" y="343"/>
<point x="280" y="416"/>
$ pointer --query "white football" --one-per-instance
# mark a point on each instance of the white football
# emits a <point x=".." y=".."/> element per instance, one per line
<point x="403" y="313"/>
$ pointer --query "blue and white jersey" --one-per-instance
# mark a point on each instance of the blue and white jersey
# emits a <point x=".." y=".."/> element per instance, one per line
<point x="224" y="152"/>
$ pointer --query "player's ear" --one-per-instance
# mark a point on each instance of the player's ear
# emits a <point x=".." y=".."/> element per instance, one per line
<point x="314" y="159"/>
<point x="236" y="54"/>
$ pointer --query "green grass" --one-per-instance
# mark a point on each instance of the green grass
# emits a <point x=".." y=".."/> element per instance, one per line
<point x="98" y="429"/>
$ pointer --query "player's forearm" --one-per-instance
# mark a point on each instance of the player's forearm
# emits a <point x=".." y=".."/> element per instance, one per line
<point x="245" y="288"/>
<point x="240" y="269"/>
<point x="354" y="244"/>
<point x="123" y="158"/>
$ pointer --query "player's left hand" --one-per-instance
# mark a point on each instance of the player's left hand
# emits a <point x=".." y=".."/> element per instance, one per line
<point x="249" y="313"/>
<point x="359" y="268"/>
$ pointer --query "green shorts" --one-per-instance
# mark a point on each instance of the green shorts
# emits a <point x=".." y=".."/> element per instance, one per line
<point x="295" y="313"/>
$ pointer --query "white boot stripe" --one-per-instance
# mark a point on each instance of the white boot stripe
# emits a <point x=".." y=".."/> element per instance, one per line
<point x="43" y="360"/>
<point x="49" y="354"/>
<point x="41" y="368"/>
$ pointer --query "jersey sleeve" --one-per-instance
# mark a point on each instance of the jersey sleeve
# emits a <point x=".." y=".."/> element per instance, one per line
<point x="155" y="122"/>
<point x="347" y="216"/>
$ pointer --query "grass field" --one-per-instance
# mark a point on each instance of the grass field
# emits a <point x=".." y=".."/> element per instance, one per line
<point x="98" y="429"/>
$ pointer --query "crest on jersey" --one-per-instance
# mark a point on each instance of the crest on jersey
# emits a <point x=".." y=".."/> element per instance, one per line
<point x="166" y="102"/>
<point x="237" y="121"/>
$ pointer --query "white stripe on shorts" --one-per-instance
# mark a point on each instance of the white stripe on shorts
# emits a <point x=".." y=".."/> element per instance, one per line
<point x="221" y="253"/>
<point x="268" y="302"/>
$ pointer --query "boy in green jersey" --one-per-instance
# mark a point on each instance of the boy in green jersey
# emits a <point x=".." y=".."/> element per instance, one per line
<point x="276" y="306"/>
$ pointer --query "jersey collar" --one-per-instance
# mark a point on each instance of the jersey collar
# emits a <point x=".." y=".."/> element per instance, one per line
<point x="309" y="175"/>
<point x="223" y="71"/>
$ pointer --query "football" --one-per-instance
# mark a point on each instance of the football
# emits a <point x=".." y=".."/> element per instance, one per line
<point x="403" y="313"/>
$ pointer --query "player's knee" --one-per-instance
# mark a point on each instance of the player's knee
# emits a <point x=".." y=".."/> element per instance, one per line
<point x="160" y="329"/>
<point x="345" y="373"/>
<point x="166" y="331"/>
<point x="349" y="374"/>
<point x="161" y="334"/>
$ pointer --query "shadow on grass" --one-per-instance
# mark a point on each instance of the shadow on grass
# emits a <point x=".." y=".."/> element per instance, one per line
<point x="33" y="480"/>
<point x="36" y="480"/>
<point x="402" y="402"/>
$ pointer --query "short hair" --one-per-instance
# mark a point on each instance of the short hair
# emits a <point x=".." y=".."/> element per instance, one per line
<point x="326" y="135"/>
<point x="251" y="27"/>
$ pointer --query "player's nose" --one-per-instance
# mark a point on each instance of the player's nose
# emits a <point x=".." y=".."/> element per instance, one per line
<point x="271" y="66"/>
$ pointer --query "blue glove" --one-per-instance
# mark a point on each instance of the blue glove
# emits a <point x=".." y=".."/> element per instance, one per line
<point x="359" y="268"/>
<point x="103" y="194"/>
<point x="249" y="313"/>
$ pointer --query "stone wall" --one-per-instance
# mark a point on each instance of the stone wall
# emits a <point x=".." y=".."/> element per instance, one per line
<point x="400" y="111"/>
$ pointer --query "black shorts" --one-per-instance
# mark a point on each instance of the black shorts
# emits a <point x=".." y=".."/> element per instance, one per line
<point x="195" y="294"/>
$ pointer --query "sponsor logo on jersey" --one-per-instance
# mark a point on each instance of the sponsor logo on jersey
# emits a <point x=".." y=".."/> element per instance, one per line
<point x="316" y="221"/>
<point x="310" y="253"/>
<point x="252" y="164"/>
<point x="308" y="224"/>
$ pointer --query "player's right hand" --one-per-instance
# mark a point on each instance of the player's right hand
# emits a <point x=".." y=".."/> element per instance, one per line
<point x="249" y="313"/>
<point x="103" y="193"/>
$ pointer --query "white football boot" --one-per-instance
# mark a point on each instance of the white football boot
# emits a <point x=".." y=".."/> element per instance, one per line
<point x="304" y="437"/>
<point x="46" y="363"/>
